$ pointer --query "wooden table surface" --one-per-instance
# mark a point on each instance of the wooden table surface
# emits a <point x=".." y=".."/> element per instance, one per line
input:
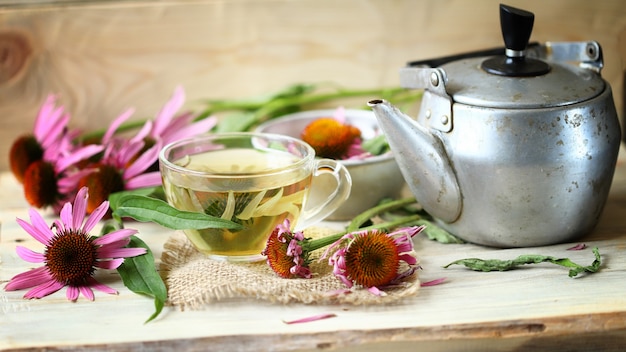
<point x="537" y="307"/>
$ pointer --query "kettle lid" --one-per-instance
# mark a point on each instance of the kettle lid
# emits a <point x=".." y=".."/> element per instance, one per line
<point x="468" y="83"/>
<point x="521" y="76"/>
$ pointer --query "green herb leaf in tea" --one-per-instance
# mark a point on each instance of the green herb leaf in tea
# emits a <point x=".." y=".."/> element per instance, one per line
<point x="504" y="265"/>
<point x="147" y="209"/>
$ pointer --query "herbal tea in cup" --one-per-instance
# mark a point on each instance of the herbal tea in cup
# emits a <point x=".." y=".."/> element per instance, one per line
<point x="254" y="179"/>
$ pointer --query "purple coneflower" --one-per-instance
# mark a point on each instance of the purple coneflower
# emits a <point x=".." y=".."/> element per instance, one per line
<point x="71" y="254"/>
<point x="52" y="180"/>
<point x="373" y="259"/>
<point x="285" y="253"/>
<point x="123" y="165"/>
<point x="50" y="127"/>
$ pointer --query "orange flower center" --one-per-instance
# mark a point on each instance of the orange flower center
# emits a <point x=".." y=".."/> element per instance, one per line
<point x="277" y="258"/>
<point x="71" y="258"/>
<point x="40" y="184"/>
<point x="101" y="183"/>
<point x="24" y="151"/>
<point x="372" y="259"/>
<point x="329" y="137"/>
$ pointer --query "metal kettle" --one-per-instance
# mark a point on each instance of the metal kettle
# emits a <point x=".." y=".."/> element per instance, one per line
<point x="511" y="148"/>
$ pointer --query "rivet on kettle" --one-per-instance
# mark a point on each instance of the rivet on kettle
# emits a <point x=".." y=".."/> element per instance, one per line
<point x="428" y="114"/>
<point x="434" y="79"/>
<point x="444" y="119"/>
<point x="591" y="51"/>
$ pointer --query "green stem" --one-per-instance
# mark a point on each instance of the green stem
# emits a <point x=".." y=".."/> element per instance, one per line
<point x="266" y="109"/>
<point x="98" y="134"/>
<point x="387" y="226"/>
<point x="360" y="219"/>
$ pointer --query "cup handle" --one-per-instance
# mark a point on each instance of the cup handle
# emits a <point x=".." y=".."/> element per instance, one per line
<point x="318" y="212"/>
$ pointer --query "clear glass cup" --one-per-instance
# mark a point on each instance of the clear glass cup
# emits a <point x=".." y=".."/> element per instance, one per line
<point x="255" y="179"/>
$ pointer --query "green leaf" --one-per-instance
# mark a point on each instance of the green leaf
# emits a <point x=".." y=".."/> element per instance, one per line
<point x="139" y="274"/>
<point x="382" y="207"/>
<point x="147" y="209"/>
<point x="438" y="234"/>
<point x="153" y="192"/>
<point x="236" y="122"/>
<point x="504" y="265"/>
<point x="377" y="145"/>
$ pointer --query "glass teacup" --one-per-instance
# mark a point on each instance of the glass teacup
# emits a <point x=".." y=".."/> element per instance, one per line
<point x="254" y="179"/>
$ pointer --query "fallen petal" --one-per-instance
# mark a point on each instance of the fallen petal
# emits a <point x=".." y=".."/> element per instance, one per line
<point x="578" y="247"/>
<point x="433" y="282"/>
<point x="375" y="291"/>
<point x="311" y="318"/>
<point x="338" y="292"/>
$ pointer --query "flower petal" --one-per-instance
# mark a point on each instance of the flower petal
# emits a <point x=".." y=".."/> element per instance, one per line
<point x="29" y="279"/>
<point x="110" y="264"/>
<point x="115" y="124"/>
<point x="43" y="121"/>
<point x="87" y="292"/>
<point x="577" y="247"/>
<point x="150" y="179"/>
<point x="311" y="318"/>
<point x="96" y="216"/>
<point x="143" y="133"/>
<point x="375" y="291"/>
<point x="433" y="282"/>
<point x="80" y="207"/>
<point x="409" y="258"/>
<point x="93" y="283"/>
<point x="72" y="293"/>
<point x="114" y="236"/>
<point x="44" y="289"/>
<point x="106" y="252"/>
<point x="39" y="230"/>
<point x="29" y="255"/>
<point x="194" y="129"/>
<point x="67" y="219"/>
<point x="164" y="117"/>
<point x="75" y="156"/>
<point x="143" y="162"/>
<point x="117" y="244"/>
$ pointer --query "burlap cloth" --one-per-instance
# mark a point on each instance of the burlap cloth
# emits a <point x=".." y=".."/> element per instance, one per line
<point x="193" y="280"/>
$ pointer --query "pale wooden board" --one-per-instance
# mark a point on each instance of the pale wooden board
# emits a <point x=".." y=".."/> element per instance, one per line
<point x="538" y="306"/>
<point x="102" y="57"/>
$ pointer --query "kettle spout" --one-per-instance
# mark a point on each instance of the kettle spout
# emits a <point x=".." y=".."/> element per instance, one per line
<point x="423" y="161"/>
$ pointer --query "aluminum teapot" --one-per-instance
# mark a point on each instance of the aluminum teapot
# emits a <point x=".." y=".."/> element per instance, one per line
<point x="515" y="147"/>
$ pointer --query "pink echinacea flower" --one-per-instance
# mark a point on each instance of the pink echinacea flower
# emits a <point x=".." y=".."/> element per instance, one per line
<point x="71" y="254"/>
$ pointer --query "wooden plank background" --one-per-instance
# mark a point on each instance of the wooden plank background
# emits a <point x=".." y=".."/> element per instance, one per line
<point x="101" y="57"/>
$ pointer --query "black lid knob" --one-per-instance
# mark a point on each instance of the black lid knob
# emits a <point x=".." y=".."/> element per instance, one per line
<point x="516" y="26"/>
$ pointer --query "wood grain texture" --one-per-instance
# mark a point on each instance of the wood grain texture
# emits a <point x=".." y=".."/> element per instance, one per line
<point x="102" y="57"/>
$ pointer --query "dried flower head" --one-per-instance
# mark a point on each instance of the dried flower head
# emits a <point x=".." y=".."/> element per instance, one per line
<point x="331" y="137"/>
<point x="285" y="253"/>
<point x="373" y="259"/>
<point x="71" y="254"/>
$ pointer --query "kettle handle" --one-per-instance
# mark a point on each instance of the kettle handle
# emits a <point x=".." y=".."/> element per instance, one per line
<point x="436" y="62"/>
